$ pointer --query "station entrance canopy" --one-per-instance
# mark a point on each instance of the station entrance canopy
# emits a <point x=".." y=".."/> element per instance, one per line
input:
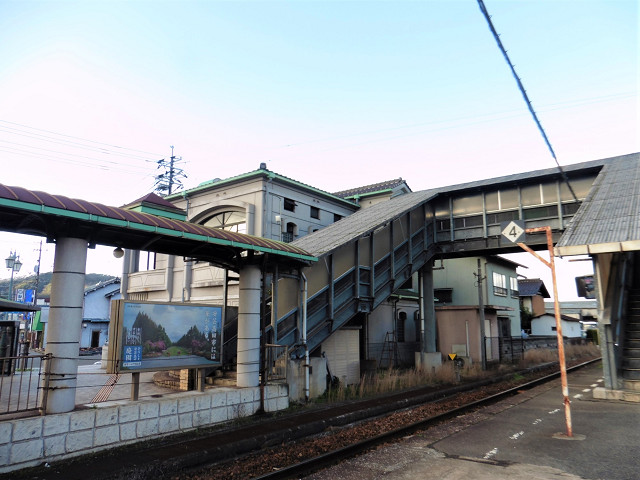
<point x="54" y="216"/>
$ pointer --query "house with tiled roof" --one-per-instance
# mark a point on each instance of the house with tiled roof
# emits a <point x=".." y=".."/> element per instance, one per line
<point x="96" y="312"/>
<point x="369" y="195"/>
<point x="532" y="292"/>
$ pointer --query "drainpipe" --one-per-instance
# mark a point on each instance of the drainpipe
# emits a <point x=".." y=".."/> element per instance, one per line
<point x="186" y="281"/>
<point x="304" y="337"/>
<point x="395" y="333"/>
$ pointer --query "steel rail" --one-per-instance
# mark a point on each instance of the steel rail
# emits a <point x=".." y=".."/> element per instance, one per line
<point x="331" y="458"/>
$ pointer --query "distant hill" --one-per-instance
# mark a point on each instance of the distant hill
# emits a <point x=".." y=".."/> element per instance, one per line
<point x="44" y="283"/>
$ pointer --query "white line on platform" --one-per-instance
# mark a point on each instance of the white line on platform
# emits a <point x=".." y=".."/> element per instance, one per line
<point x="490" y="453"/>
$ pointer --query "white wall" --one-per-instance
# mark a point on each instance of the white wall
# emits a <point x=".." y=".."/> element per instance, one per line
<point x="545" y="325"/>
<point x="31" y="441"/>
<point x="343" y="354"/>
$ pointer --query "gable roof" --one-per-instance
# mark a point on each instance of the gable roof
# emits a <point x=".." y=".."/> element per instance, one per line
<point x="369" y="219"/>
<point x="609" y="218"/>
<point x="40" y="213"/>
<point x="372" y="189"/>
<point x="153" y="199"/>
<point x="265" y="173"/>
<point x="529" y="287"/>
<point x="564" y="317"/>
<point x="98" y="286"/>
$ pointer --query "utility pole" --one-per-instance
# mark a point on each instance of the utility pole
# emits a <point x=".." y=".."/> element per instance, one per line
<point x="173" y="159"/>
<point x="37" y="270"/>
<point x="35" y="291"/>
<point x="170" y="179"/>
<point x="483" y="344"/>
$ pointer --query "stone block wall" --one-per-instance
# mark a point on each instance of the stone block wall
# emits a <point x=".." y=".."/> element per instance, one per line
<point x="32" y="441"/>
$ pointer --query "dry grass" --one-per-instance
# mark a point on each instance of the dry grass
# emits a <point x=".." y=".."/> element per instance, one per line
<point x="539" y="356"/>
<point x="395" y="380"/>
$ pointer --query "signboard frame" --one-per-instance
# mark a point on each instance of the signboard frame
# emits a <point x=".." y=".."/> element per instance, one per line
<point x="153" y="336"/>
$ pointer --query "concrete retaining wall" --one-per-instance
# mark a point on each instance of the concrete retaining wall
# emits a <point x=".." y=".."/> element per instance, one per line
<point x="31" y="441"/>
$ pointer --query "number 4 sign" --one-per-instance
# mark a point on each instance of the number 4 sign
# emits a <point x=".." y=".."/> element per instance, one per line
<point x="514" y="231"/>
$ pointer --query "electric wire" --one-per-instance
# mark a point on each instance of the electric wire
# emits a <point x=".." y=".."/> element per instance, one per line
<point x="64" y="153"/>
<point x="80" y="138"/>
<point x="120" y="167"/>
<point x="496" y="36"/>
<point x="45" y="138"/>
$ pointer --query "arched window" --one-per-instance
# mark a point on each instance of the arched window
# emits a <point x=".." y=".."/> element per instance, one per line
<point x="231" y="220"/>
<point x="290" y="234"/>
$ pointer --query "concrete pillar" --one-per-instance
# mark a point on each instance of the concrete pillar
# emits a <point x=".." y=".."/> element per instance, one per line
<point x="65" y="322"/>
<point x="249" y="327"/>
<point x="126" y="269"/>
<point x="428" y="357"/>
<point x="428" y="308"/>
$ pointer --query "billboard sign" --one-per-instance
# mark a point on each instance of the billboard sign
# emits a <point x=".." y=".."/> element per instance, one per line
<point x="147" y="336"/>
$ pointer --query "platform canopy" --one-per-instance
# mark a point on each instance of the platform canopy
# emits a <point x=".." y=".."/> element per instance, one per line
<point x="55" y="216"/>
<point x="608" y="220"/>
<point x="9" y="306"/>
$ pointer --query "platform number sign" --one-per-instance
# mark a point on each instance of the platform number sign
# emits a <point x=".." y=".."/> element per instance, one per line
<point x="514" y="231"/>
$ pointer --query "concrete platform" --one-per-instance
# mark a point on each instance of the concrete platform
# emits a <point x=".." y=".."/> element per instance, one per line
<point x="517" y="439"/>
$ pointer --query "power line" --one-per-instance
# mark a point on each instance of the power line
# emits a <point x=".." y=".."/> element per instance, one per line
<point x="46" y="138"/>
<point x="17" y="151"/>
<point x="484" y="11"/>
<point x="80" y="138"/>
<point x="61" y="153"/>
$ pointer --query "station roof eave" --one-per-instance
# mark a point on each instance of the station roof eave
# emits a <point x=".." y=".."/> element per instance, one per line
<point x="9" y="306"/>
<point x="55" y="216"/>
<point x="608" y="221"/>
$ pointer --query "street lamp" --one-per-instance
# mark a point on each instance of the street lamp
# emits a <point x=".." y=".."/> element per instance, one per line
<point x="14" y="264"/>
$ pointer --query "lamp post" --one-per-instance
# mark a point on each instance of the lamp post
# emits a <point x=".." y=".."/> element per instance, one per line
<point x="14" y="264"/>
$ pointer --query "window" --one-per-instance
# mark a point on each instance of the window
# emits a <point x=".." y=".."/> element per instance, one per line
<point x="499" y="284"/>
<point x="290" y="234"/>
<point x="146" y="261"/>
<point x="443" y="295"/>
<point x="228" y="220"/>
<point x="514" y="287"/>
<point x="289" y="205"/>
<point x="315" y="212"/>
<point x="402" y="318"/>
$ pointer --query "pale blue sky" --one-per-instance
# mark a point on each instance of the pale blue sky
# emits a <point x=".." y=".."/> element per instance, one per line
<point x="332" y="93"/>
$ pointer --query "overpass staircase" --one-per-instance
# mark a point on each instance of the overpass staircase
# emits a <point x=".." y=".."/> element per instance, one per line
<point x="364" y="258"/>
<point x="631" y="344"/>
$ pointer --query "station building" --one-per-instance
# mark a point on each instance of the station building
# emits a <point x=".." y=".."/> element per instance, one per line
<point x="324" y="279"/>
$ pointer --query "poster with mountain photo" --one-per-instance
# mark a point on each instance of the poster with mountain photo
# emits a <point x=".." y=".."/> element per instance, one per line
<point x="161" y="336"/>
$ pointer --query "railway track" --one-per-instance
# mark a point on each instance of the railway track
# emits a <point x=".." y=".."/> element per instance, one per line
<point x="342" y="443"/>
<point x="291" y="445"/>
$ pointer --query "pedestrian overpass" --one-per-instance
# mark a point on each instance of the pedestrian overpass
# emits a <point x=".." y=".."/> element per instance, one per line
<point x="367" y="256"/>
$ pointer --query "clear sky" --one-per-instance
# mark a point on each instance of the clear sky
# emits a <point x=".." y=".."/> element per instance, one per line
<point x="335" y="94"/>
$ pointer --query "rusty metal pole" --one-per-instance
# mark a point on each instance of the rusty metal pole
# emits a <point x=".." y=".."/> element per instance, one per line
<point x="556" y="306"/>
<point x="563" y="363"/>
